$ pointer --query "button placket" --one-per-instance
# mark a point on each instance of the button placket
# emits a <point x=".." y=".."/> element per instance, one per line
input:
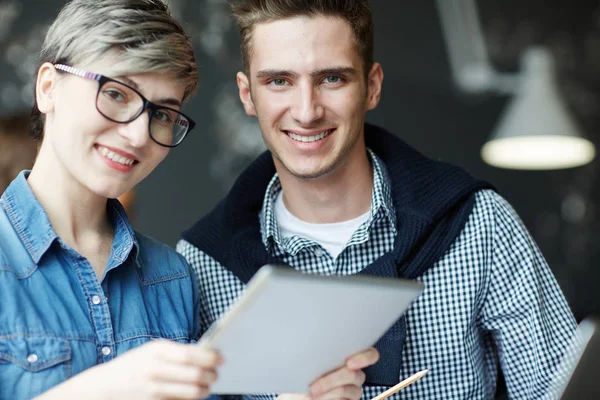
<point x="99" y="310"/>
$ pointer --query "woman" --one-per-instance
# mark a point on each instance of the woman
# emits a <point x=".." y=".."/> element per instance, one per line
<point x="78" y="287"/>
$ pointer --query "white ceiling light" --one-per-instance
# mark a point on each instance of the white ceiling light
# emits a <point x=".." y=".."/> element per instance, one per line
<point x="536" y="131"/>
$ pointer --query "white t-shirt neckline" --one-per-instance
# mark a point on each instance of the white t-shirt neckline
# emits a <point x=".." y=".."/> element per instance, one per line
<point x="333" y="237"/>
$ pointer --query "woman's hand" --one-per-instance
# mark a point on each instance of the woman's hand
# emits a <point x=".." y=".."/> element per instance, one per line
<point x="160" y="369"/>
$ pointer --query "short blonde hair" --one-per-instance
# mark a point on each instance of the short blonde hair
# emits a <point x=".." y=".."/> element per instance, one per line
<point x="142" y="33"/>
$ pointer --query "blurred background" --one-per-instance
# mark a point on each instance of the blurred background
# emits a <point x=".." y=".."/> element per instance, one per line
<point x="453" y="69"/>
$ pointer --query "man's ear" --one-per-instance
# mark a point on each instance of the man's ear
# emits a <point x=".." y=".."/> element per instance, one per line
<point x="44" y="87"/>
<point x="374" y="82"/>
<point x="245" y="94"/>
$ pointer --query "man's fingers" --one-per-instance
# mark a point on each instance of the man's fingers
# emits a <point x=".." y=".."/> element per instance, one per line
<point x="349" y="392"/>
<point x="363" y="359"/>
<point x="337" y="379"/>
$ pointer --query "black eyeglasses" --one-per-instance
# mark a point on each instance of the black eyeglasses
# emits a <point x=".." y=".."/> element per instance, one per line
<point x="121" y="103"/>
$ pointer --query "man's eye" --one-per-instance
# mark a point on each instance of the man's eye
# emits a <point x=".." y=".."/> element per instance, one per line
<point x="278" y="82"/>
<point x="333" y="79"/>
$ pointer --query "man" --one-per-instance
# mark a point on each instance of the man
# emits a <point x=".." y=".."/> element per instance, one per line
<point x="337" y="196"/>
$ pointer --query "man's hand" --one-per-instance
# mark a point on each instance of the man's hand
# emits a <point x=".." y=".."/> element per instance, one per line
<point x="157" y="370"/>
<point x="343" y="383"/>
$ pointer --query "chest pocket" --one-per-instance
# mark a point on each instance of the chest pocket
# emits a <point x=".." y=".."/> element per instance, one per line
<point x="30" y="365"/>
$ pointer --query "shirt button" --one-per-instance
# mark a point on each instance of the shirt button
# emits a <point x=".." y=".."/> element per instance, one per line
<point x="32" y="358"/>
<point x="319" y="252"/>
<point x="106" y="351"/>
<point x="96" y="299"/>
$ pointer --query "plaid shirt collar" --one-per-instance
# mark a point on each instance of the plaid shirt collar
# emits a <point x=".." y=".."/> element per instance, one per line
<point x="381" y="202"/>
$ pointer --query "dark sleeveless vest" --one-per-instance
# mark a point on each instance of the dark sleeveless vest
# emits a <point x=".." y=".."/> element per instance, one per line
<point x="432" y="199"/>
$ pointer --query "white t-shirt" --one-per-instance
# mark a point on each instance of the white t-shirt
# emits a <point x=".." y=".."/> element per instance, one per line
<point x="332" y="237"/>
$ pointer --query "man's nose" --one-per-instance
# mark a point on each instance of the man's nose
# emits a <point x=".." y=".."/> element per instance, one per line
<point x="307" y="106"/>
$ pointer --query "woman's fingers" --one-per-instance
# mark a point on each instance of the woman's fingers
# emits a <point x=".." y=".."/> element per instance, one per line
<point x="187" y="354"/>
<point x="179" y="391"/>
<point x="191" y="374"/>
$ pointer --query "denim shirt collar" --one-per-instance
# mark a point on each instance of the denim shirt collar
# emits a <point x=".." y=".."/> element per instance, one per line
<point x="125" y="242"/>
<point x="31" y="223"/>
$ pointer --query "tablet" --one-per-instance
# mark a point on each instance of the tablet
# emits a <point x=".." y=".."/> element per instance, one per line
<point x="584" y="382"/>
<point x="289" y="328"/>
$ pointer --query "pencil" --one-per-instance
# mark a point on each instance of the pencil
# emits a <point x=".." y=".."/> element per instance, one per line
<point x="401" y="385"/>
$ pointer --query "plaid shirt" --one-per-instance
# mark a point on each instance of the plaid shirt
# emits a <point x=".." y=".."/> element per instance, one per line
<point x="490" y="301"/>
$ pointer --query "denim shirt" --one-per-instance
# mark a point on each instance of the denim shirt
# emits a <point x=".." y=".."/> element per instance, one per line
<point x="57" y="319"/>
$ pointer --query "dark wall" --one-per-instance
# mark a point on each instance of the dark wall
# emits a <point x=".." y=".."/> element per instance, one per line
<point x="419" y="103"/>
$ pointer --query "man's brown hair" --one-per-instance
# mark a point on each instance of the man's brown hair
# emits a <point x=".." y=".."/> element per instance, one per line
<point x="356" y="13"/>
